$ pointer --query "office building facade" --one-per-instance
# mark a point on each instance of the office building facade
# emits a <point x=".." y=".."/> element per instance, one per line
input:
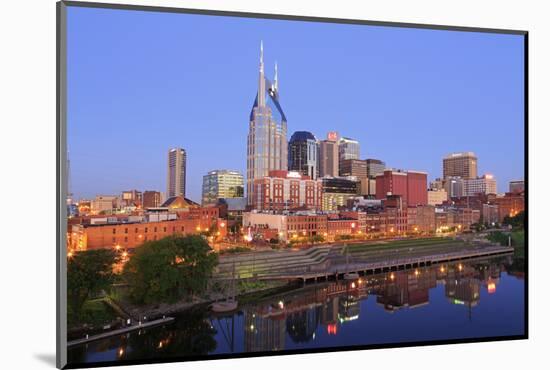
<point x="267" y="133"/>
<point x="328" y="156"/>
<point x="462" y="165"/>
<point x="303" y="152"/>
<point x="412" y="186"/>
<point x="221" y="184"/>
<point x="177" y="168"/>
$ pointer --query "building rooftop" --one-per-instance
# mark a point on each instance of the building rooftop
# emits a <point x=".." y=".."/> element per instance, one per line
<point x="179" y="202"/>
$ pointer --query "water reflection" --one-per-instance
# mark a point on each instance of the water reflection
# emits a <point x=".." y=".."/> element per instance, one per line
<point x="436" y="302"/>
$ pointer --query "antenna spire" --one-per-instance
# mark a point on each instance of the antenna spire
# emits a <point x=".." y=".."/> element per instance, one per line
<point x="261" y="55"/>
<point x="275" y="80"/>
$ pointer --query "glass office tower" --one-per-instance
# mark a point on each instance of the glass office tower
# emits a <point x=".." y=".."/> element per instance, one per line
<point x="302" y="154"/>
<point x="267" y="143"/>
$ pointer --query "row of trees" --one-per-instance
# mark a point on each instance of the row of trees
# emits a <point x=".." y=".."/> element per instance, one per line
<point x="165" y="270"/>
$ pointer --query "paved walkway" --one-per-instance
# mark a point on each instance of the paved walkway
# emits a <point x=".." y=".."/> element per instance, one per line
<point x="127" y="329"/>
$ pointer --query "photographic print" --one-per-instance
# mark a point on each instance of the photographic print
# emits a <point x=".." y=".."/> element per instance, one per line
<point x="244" y="185"/>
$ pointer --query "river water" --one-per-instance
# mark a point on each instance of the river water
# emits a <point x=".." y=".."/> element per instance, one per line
<point x="468" y="299"/>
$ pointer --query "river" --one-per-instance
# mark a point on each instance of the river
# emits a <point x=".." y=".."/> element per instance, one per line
<point x="461" y="300"/>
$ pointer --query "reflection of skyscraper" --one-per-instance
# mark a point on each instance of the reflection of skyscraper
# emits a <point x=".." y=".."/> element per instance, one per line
<point x="302" y="154"/>
<point x="464" y="291"/>
<point x="302" y="325"/>
<point x="349" y="308"/>
<point x="329" y="313"/>
<point x="267" y="142"/>
<point x="177" y="159"/>
<point x="263" y="333"/>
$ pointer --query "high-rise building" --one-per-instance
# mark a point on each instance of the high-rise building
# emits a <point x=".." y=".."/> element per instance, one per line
<point x="517" y="186"/>
<point x="412" y="186"/>
<point x="353" y="167"/>
<point x="454" y="186"/>
<point x="485" y="184"/>
<point x="267" y="142"/>
<point x="151" y="199"/>
<point x="374" y="167"/>
<point x="337" y="191"/>
<point x="221" y="184"/>
<point x="302" y="154"/>
<point x="348" y="149"/>
<point x="460" y="164"/>
<point x="177" y="164"/>
<point x="328" y="156"/>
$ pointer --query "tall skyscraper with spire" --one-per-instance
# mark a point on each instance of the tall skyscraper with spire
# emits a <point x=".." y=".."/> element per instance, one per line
<point x="267" y="141"/>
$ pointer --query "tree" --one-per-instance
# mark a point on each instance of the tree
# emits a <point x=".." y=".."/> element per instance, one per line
<point x="517" y="221"/>
<point x="169" y="269"/>
<point x="88" y="273"/>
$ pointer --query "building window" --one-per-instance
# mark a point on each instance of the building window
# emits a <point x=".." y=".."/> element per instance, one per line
<point x="155" y="229"/>
<point x="126" y="230"/>
<point x="136" y="230"/>
<point x="125" y="239"/>
<point x="114" y="231"/>
<point x="164" y="229"/>
<point x="114" y="239"/>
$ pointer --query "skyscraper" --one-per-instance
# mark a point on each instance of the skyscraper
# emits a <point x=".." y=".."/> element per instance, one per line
<point x="267" y="143"/>
<point x="374" y="167"/>
<point x="347" y="149"/>
<point x="463" y="165"/>
<point x="486" y="184"/>
<point x="221" y="184"/>
<point x="353" y="167"/>
<point x="302" y="154"/>
<point x="328" y="156"/>
<point x="175" y="184"/>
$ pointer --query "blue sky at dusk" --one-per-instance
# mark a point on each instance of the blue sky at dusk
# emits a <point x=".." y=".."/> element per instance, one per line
<point x="140" y="83"/>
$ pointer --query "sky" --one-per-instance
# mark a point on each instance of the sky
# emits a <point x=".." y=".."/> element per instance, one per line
<point x="140" y="83"/>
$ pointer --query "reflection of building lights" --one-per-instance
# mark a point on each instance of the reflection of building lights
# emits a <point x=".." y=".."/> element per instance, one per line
<point x="491" y="288"/>
<point x="353" y="285"/>
<point x="460" y="267"/>
<point x="442" y="269"/>
<point x="416" y="272"/>
<point x="392" y="276"/>
<point x="332" y="329"/>
<point x="281" y="305"/>
<point x="360" y="281"/>
<point x="353" y="225"/>
<point x="120" y="352"/>
<point x="252" y="327"/>
<point x="457" y="301"/>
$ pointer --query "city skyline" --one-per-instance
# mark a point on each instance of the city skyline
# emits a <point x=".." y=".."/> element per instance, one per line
<point x="148" y="172"/>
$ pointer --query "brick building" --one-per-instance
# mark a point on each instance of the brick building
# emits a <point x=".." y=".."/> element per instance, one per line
<point x="284" y="190"/>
